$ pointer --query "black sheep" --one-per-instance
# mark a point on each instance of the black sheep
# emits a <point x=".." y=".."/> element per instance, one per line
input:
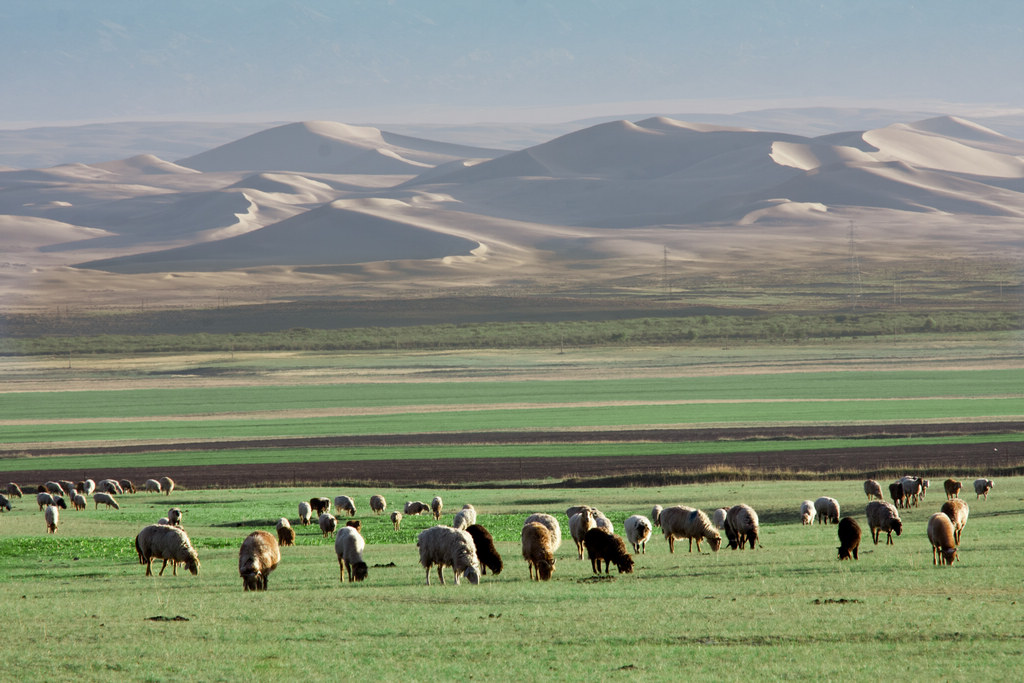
<point x="602" y="545"/>
<point x="320" y="505"/>
<point x="849" y="538"/>
<point x="485" y="550"/>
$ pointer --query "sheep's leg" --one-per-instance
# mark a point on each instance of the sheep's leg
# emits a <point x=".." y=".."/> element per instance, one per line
<point x="341" y="568"/>
<point x="428" y="574"/>
<point x="671" y="544"/>
<point x="440" y="573"/>
<point x="163" y="567"/>
<point x="149" y="566"/>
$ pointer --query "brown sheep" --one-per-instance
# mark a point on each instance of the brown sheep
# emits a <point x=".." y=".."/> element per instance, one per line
<point x="258" y="556"/>
<point x="320" y="505"/>
<point x="285" y="532"/>
<point x="608" y="547"/>
<point x="941" y="535"/>
<point x="873" y="489"/>
<point x="952" y="487"/>
<point x="957" y="511"/>
<point x="538" y="551"/>
<point x="680" y="521"/>
<point x="485" y="550"/>
<point x="396" y="520"/>
<point x="167" y="484"/>
<point x="885" y="517"/>
<point x="849" y="538"/>
<point x="896" y="493"/>
<point x="982" y="487"/>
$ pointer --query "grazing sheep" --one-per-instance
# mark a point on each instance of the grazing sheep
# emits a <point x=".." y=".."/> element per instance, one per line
<point x="305" y="513"/>
<point x="638" y="532"/>
<point x="4" y="504"/>
<point x="552" y="524"/>
<point x="127" y="486"/>
<point x="285" y="532"/>
<point x="45" y="499"/>
<point x="486" y="553"/>
<point x="106" y="499"/>
<point x="952" y="487"/>
<point x="396" y="519"/>
<point x="849" y="538"/>
<point x="925" y="483"/>
<point x="349" y="546"/>
<point x="328" y="524"/>
<point x="345" y="504"/>
<point x="885" y="517"/>
<point x="579" y="525"/>
<point x="872" y="489"/>
<point x="174" y="516"/>
<point x="742" y="526"/>
<point x="377" y="504"/>
<point x="53" y="487"/>
<point x="982" y="487"/>
<point x="78" y="502"/>
<point x="52" y="516"/>
<point x="913" y="489"/>
<point x="680" y="521"/>
<point x="13" y="490"/>
<point x="258" y="556"/>
<point x="68" y="487"/>
<point x="167" y="543"/>
<point x="539" y="550"/>
<point x="896" y="493"/>
<point x="827" y="510"/>
<point x="436" y="505"/>
<point x="320" y="505"/>
<point x="807" y="512"/>
<point x="574" y="510"/>
<point x="718" y="517"/>
<point x="942" y="537"/>
<point x="465" y="517"/>
<point x="957" y="511"/>
<point x="111" y="486"/>
<point x="89" y="487"/>
<point x="449" y="547"/>
<point x="608" y="547"/>
<point x="152" y="486"/>
<point x="656" y="515"/>
<point x="601" y="522"/>
<point x="415" y="507"/>
<point x="168" y="484"/>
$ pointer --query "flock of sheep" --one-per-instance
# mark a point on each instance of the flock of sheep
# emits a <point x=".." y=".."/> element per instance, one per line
<point x="468" y="548"/>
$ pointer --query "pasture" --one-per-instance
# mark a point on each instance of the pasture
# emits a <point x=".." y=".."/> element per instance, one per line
<point x="78" y="601"/>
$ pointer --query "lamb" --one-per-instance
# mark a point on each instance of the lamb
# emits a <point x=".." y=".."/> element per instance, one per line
<point x="807" y="512"/>
<point x="449" y="547"/>
<point x="167" y="543"/>
<point x="152" y="486"/>
<point x="638" y="532"/>
<point x="345" y="504"/>
<point x="396" y="519"/>
<point x="885" y="517"/>
<point x="827" y="510"/>
<point x="174" y="517"/>
<point x="328" y="524"/>
<point x="680" y="521"/>
<point x="436" y="505"/>
<point x="957" y="511"/>
<point x="349" y="546"/>
<point x="78" y="502"/>
<point x="553" y="527"/>
<point x="378" y="504"/>
<point x="258" y="556"/>
<point x="126" y="485"/>
<point x="718" y="517"/>
<point x="45" y="499"/>
<point x="14" y="491"/>
<point x="952" y="487"/>
<point x="285" y="532"/>
<point x="982" y="487"/>
<point x="872" y="489"/>
<point x="579" y="525"/>
<point x="416" y="507"/>
<point x="4" y="504"/>
<point x="106" y="499"/>
<point x="656" y="515"/>
<point x="742" y="526"/>
<point x="305" y="513"/>
<point x="168" y="484"/>
<point x="607" y="547"/>
<point x="896" y="493"/>
<point x="52" y="516"/>
<point x="320" y="505"/>
<point x="849" y="538"/>
<point x="942" y="537"/>
<point x="539" y="550"/>
<point x="485" y="550"/>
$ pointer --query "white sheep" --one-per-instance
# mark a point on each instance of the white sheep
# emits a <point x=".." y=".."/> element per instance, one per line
<point x="345" y="504"/>
<point x="827" y="510"/>
<point x="957" y="511"/>
<point x="174" y="516"/>
<point x="436" y="505"/>
<point x="106" y="499"/>
<point x="579" y="525"/>
<point x="112" y="486"/>
<point x="552" y="524"/>
<point x="167" y="484"/>
<point x="872" y="489"/>
<point x="88" y="487"/>
<point x="328" y="524"/>
<point x="680" y="521"/>
<point x="807" y="512"/>
<point x="883" y="516"/>
<point x="378" y="504"/>
<point x="167" y="543"/>
<point x="449" y="547"/>
<point x="52" y="517"/>
<point x="538" y="550"/>
<point x="465" y="518"/>
<point x="638" y="532"/>
<point x="742" y="526"/>
<point x="913" y="489"/>
<point x="152" y="486"/>
<point x="78" y="502"/>
<point x="258" y="556"/>
<point x="656" y="515"/>
<point x="349" y="546"/>
<point x="13" y="490"/>
<point x="44" y="499"/>
<point x="54" y="487"/>
<point x="982" y="487"/>
<point x="396" y="520"/>
<point x="719" y="517"/>
<point x="285" y="532"/>
<point x="305" y="513"/>
<point x="602" y="522"/>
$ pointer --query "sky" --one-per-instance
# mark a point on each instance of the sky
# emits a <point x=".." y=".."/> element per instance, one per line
<point x="465" y="61"/>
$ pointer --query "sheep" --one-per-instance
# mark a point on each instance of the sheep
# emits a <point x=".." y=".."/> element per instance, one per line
<point x="377" y="504"/>
<point x="164" y="520"/>
<point x="68" y="487"/>
<point x="436" y="505"/>
<point x="328" y="524"/>
<point x="45" y="499"/>
<point x="952" y="487"/>
<point x="680" y="521"/>
<point x="52" y="516"/>
<point x="168" y="484"/>
<point x="13" y="490"/>
<point x="258" y="556"/>
<point x="885" y="517"/>
<point x="305" y="513"/>
<point x="742" y="526"/>
<point x="539" y="550"/>
<point x="355" y="524"/>
<point x="449" y="547"/>
<point x="174" y="517"/>
<point x="913" y="488"/>
<point x="152" y="486"/>
<point x="718" y="517"/>
<point x="285" y="532"/>
<point x="415" y="507"/>
<point x="4" y="504"/>
<point x="53" y="487"/>
<point x="88" y="487"/>
<point x="320" y="505"/>
<point x="638" y="532"/>
<point x="807" y="512"/>
<point x="167" y="543"/>
<point x="827" y="510"/>
<point x="925" y="483"/>
<point x="463" y="519"/>
<point x="486" y="553"/>
<point x="982" y="487"/>
<point x="896" y="493"/>
<point x="574" y="510"/>
<point x="942" y="537"/>
<point x="396" y="520"/>
<point x="607" y="547"/>
<point x="126" y="486"/>
<point x="106" y="499"/>
<point x="345" y="504"/>
<point x="78" y="502"/>
<point x="349" y="545"/>
<point x="849" y="538"/>
<point x="872" y="489"/>
<point x="111" y="486"/>
<point x="957" y="511"/>
<point x="552" y="524"/>
<point x="656" y="515"/>
<point x="579" y="525"/>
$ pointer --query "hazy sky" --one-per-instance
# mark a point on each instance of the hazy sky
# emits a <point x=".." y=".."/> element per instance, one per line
<point x="478" y="60"/>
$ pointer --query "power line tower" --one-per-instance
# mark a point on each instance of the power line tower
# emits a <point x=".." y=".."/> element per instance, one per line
<point x="855" y="276"/>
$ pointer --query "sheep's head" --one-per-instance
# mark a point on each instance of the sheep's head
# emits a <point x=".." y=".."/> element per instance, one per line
<point x="252" y="580"/>
<point x="191" y="564"/>
<point x="844" y="553"/>
<point x="950" y="555"/>
<point x="625" y="565"/>
<point x="359" y="571"/>
<point x="716" y="542"/>
<point x="472" y="574"/>
<point x="545" y="569"/>
<point x="897" y="526"/>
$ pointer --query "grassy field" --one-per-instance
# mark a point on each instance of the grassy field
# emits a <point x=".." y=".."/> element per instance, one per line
<point x="77" y="602"/>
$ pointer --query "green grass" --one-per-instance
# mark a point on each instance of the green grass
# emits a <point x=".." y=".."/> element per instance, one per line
<point x="78" y="601"/>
